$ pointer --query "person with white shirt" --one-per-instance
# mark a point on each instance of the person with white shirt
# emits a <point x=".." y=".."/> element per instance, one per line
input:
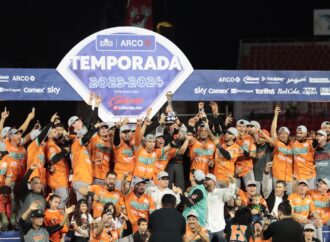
<point x="161" y="188"/>
<point x="216" y="198"/>
<point x="273" y="196"/>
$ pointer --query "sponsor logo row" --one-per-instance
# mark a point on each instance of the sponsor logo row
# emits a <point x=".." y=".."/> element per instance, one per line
<point x="272" y="80"/>
<point x="17" y="78"/>
<point x="44" y="90"/>
<point x="324" y="91"/>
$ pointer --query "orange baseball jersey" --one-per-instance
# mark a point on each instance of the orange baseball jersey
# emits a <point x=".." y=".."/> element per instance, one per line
<point x="224" y="168"/>
<point x="36" y="155"/>
<point x="53" y="217"/>
<point x="322" y="204"/>
<point x="246" y="199"/>
<point x="282" y="161"/>
<point x="201" y="153"/>
<point x="124" y="159"/>
<point x="303" y="159"/>
<point x="105" y="196"/>
<point x="145" y="162"/>
<point x="10" y="167"/>
<point x="301" y="207"/>
<point x="163" y="160"/>
<point x="100" y="153"/>
<point x="81" y="163"/>
<point x="138" y="207"/>
<point x="59" y="178"/>
<point x="246" y="164"/>
<point x="18" y="160"/>
<point x="107" y="235"/>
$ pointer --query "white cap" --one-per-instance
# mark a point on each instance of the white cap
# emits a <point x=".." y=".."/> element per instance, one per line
<point x="233" y="131"/>
<point x="254" y="123"/>
<point x="242" y="121"/>
<point x="111" y="124"/>
<point x="34" y="133"/>
<point x="13" y="131"/>
<point x="72" y="120"/>
<point x="325" y="123"/>
<point x="192" y="213"/>
<point x="136" y="180"/>
<point x="309" y="226"/>
<point x="125" y="128"/>
<point x="302" y="128"/>
<point x="211" y="176"/>
<point x="162" y="174"/>
<point x="199" y="175"/>
<point x="150" y="137"/>
<point x="284" y="129"/>
<point x="326" y="181"/>
<point x="322" y="132"/>
<point x="4" y="131"/>
<point x="251" y="182"/>
<point x="157" y="135"/>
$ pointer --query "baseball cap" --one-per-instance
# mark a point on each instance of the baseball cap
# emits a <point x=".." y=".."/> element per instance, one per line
<point x="104" y="124"/>
<point x="211" y="176"/>
<point x="162" y="174"/>
<point x="13" y="131"/>
<point x="325" y="123"/>
<point x="302" y="128"/>
<point x="284" y="129"/>
<point x="4" y="131"/>
<point x="309" y="226"/>
<point x="125" y="128"/>
<point x="37" y="213"/>
<point x="136" y="180"/>
<point x="255" y="124"/>
<point x="34" y="133"/>
<point x="159" y="135"/>
<point x="322" y="132"/>
<point x="303" y="181"/>
<point x="150" y="137"/>
<point x="242" y="121"/>
<point x="199" y="175"/>
<point x="192" y="213"/>
<point x="111" y="125"/>
<point x="72" y="120"/>
<point x="233" y="131"/>
<point x="326" y="181"/>
<point x="251" y="182"/>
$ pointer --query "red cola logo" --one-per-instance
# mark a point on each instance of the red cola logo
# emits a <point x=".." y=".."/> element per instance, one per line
<point x="119" y="100"/>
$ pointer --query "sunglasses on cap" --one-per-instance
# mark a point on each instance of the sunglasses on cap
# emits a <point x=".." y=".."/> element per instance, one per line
<point x="250" y="125"/>
<point x="164" y="178"/>
<point x="309" y="230"/>
<point x="228" y="132"/>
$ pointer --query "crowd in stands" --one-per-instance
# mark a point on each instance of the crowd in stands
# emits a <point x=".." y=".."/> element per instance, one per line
<point x="87" y="180"/>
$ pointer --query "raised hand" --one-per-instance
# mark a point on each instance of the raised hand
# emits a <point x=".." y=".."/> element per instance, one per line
<point x="5" y="113"/>
<point x="200" y="105"/>
<point x="277" y="110"/>
<point x="54" y="117"/>
<point x="35" y="205"/>
<point x="31" y="115"/>
<point x="69" y="209"/>
<point x="229" y="120"/>
<point x="98" y="100"/>
<point x="214" y="108"/>
<point x="162" y="119"/>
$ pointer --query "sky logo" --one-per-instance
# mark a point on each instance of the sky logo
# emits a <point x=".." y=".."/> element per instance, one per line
<point x="125" y="42"/>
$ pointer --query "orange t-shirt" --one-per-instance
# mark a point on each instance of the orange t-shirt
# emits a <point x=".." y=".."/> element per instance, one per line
<point x="36" y="155"/>
<point x="224" y="168"/>
<point x="59" y="178"/>
<point x="138" y="207"/>
<point x="189" y="233"/>
<point x="322" y="204"/>
<point x="81" y="163"/>
<point x="18" y="160"/>
<point x="246" y="164"/>
<point x="201" y="153"/>
<point x="145" y="162"/>
<point x="105" y="236"/>
<point x="163" y="160"/>
<point x="53" y="217"/>
<point x="282" y="161"/>
<point x="100" y="153"/>
<point x="246" y="198"/>
<point x="301" y="207"/>
<point x="262" y="240"/>
<point x="303" y="159"/>
<point x="124" y="160"/>
<point x="105" y="196"/>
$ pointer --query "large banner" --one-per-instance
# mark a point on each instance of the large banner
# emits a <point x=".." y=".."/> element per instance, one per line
<point x="130" y="68"/>
<point x="218" y="85"/>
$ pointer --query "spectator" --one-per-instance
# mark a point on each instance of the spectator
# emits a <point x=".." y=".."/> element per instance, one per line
<point x="326" y="127"/>
<point x="196" y="199"/>
<point x="158" y="191"/>
<point x="142" y="235"/>
<point x="239" y="228"/>
<point x="258" y="210"/>
<point x="194" y="231"/>
<point x="81" y="222"/>
<point x="309" y="231"/>
<point x="273" y="196"/>
<point x="167" y="224"/>
<point x="286" y="229"/>
<point x="36" y="231"/>
<point x="251" y="190"/>
<point x="216" y="198"/>
<point x="322" y="154"/>
<point x="257" y="232"/>
<point x="5" y="207"/>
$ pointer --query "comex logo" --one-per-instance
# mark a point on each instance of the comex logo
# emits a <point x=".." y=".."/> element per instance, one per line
<point x="23" y="78"/>
<point x="229" y="79"/>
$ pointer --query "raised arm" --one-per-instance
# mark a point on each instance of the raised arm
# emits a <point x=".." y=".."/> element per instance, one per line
<point x="27" y="121"/>
<point x="273" y="132"/>
<point x="4" y="116"/>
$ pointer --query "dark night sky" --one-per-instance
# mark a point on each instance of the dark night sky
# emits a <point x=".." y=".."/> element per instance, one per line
<point x="39" y="33"/>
